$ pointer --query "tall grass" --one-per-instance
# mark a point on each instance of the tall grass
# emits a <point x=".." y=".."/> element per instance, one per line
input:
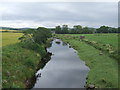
<point x="19" y="64"/>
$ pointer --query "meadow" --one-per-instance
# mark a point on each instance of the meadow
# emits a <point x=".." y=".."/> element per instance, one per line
<point x="10" y="38"/>
<point x="103" y="69"/>
<point x="5" y="30"/>
<point x="111" y="39"/>
<point x="18" y="64"/>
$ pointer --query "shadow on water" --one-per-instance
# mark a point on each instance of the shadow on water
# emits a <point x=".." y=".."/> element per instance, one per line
<point x="64" y="69"/>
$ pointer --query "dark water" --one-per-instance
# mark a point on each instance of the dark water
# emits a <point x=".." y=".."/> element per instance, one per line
<point x="64" y="70"/>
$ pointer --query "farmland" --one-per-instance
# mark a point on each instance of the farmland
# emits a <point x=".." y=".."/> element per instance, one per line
<point x="5" y="30"/>
<point x="102" y="67"/>
<point x="111" y="39"/>
<point x="10" y="38"/>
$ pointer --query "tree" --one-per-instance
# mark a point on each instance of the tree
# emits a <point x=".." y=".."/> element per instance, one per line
<point x="41" y="34"/>
<point x="78" y="29"/>
<point x="65" y="29"/>
<point x="103" y="29"/>
<point x="113" y="30"/>
<point x="58" y="30"/>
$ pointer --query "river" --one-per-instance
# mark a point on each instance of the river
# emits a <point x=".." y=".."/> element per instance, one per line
<point x="64" y="70"/>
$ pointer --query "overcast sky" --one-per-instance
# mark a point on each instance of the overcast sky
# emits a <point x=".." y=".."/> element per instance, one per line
<point x="34" y="14"/>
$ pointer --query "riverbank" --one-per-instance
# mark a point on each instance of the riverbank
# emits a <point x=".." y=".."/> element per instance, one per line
<point x="19" y="64"/>
<point x="103" y="69"/>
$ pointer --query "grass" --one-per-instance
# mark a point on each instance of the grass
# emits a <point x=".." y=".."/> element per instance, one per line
<point x="7" y="30"/>
<point x="111" y="39"/>
<point x="18" y="64"/>
<point x="10" y="38"/>
<point x="103" y="69"/>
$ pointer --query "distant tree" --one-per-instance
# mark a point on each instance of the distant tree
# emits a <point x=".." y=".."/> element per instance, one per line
<point x="72" y="31"/>
<point x="28" y="31"/>
<point x="118" y="29"/>
<point x="113" y="30"/>
<point x="77" y="29"/>
<point x="58" y="30"/>
<point x="87" y="30"/>
<point x="65" y="29"/>
<point x="103" y="29"/>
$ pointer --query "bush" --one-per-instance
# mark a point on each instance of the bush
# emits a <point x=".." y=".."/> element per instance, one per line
<point x="35" y="39"/>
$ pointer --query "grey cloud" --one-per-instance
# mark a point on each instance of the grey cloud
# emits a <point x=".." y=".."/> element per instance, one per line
<point x="98" y="13"/>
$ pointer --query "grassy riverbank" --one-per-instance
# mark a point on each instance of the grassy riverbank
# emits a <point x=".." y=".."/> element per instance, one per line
<point x="103" y="69"/>
<point x="18" y="64"/>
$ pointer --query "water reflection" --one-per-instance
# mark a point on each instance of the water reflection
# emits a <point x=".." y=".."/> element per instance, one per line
<point x="64" y="44"/>
<point x="57" y="42"/>
<point x="64" y="70"/>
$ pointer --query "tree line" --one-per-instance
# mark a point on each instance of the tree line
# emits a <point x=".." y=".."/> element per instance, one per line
<point x="78" y="29"/>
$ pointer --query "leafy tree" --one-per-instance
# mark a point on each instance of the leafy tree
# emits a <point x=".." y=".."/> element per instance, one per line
<point x="103" y="29"/>
<point x="58" y="30"/>
<point x="34" y="39"/>
<point x="78" y="29"/>
<point x="41" y="34"/>
<point x="65" y="29"/>
<point x="113" y="30"/>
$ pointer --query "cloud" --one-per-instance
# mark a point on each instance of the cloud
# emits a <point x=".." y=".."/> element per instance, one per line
<point x="34" y="14"/>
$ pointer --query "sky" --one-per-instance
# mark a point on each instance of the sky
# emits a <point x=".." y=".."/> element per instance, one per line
<point x="50" y="14"/>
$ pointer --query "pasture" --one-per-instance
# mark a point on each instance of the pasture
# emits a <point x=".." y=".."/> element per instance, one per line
<point x="9" y="38"/>
<point x="111" y="39"/>
<point x="5" y="30"/>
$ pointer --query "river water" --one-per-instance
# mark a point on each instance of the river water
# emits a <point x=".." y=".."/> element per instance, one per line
<point x="64" y="70"/>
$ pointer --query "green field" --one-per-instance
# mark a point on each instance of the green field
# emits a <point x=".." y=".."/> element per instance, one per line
<point x="103" y="69"/>
<point x="111" y="39"/>
<point x="10" y="38"/>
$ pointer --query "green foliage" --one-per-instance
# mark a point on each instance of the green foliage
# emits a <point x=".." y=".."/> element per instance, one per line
<point x="28" y="31"/>
<point x="58" y="30"/>
<point x="78" y="29"/>
<point x="65" y="29"/>
<point x="87" y="30"/>
<point x="35" y="39"/>
<point x="103" y="29"/>
<point x="62" y="30"/>
<point x="41" y="34"/>
<point x="106" y="29"/>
